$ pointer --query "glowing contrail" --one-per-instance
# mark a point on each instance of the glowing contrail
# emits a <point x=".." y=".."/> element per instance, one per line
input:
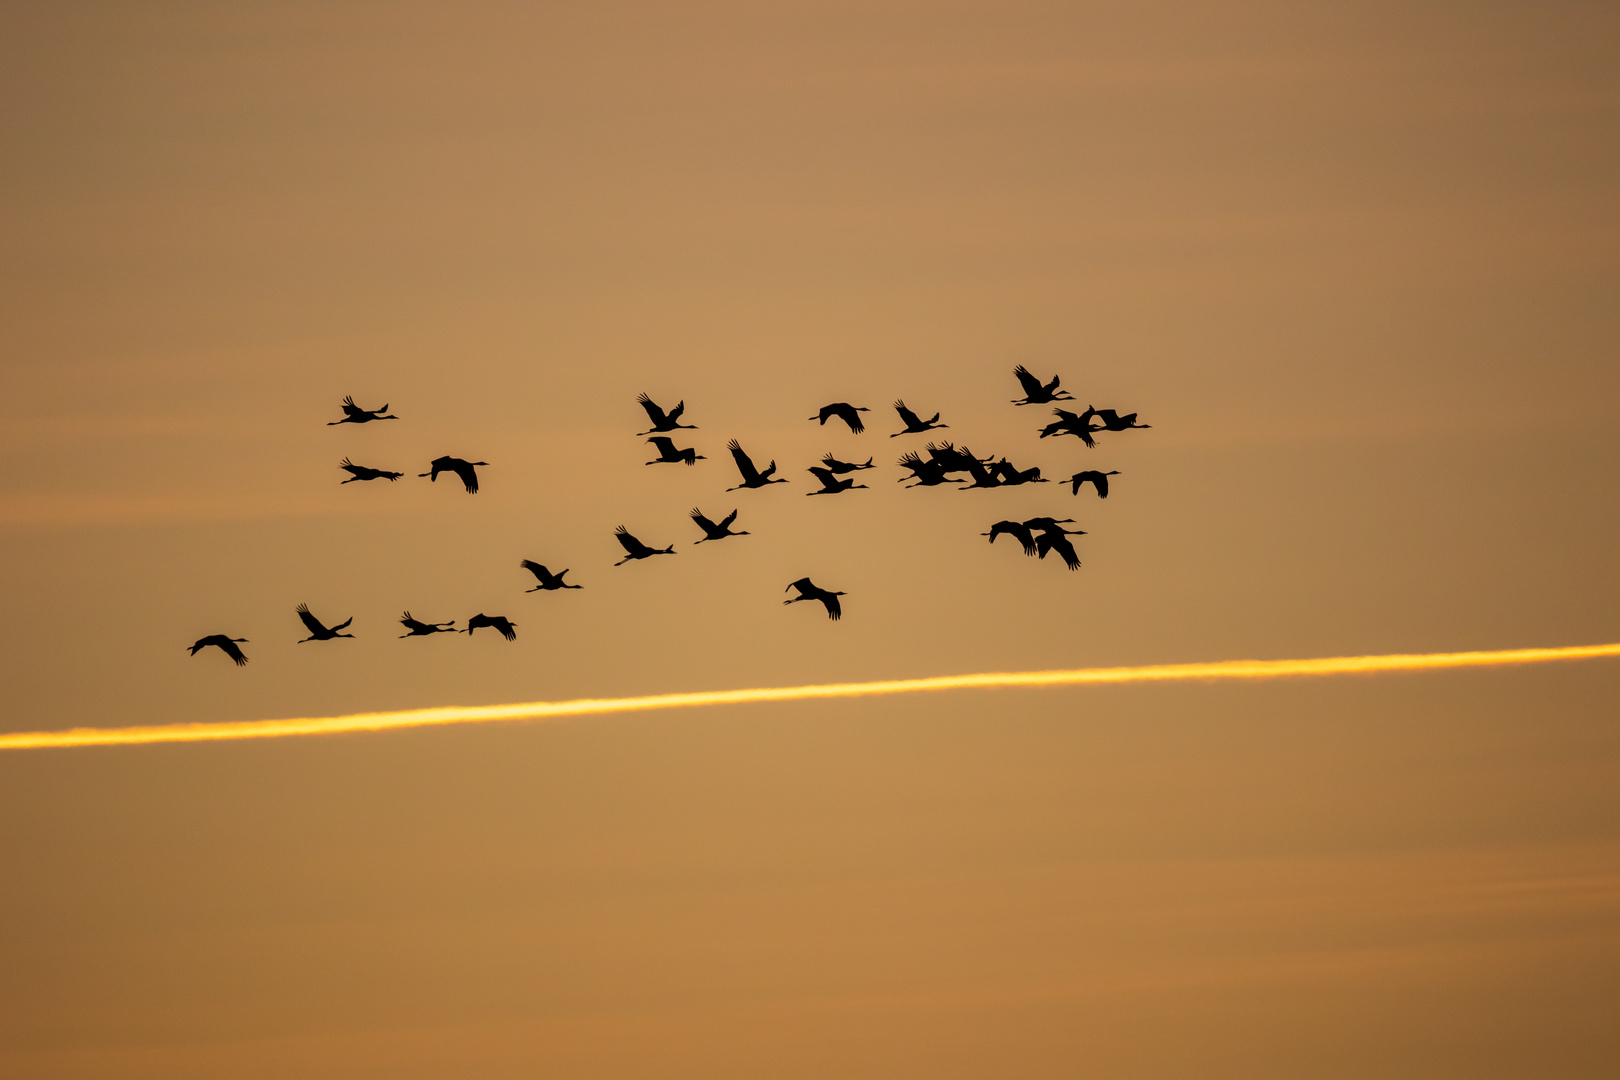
<point x="552" y="710"/>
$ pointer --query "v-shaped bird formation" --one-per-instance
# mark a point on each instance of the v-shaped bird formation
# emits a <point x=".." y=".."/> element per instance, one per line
<point x="937" y="464"/>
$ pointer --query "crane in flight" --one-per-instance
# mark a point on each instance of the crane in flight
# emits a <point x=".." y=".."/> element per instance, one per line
<point x="662" y="421"/>
<point x="1054" y="537"/>
<point x="915" y="425"/>
<point x="361" y="472"/>
<point x="1112" y="421"/>
<point x="925" y="473"/>
<point x="845" y="412"/>
<point x="548" y="581"/>
<point x="226" y="645"/>
<point x="1015" y="529"/>
<point x="842" y="467"/>
<point x="1077" y="424"/>
<point x="711" y="531"/>
<point x="751" y="477"/>
<point x="1009" y="474"/>
<point x="417" y="628"/>
<point x="668" y="454"/>
<point x="498" y="622"/>
<point x="635" y="549"/>
<point x="463" y="469"/>
<point x="1099" y="480"/>
<point x="830" y="484"/>
<point x="318" y="630"/>
<point x="809" y="591"/>
<point x="1035" y="393"/>
<point x="354" y="414"/>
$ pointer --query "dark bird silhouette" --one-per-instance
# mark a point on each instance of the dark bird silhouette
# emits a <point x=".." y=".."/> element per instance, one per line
<point x="226" y="645"/>
<point x="1054" y="537"/>
<point x="830" y="484"/>
<point x="662" y="421"/>
<point x="1015" y="529"/>
<point x="1112" y="421"/>
<point x="914" y="424"/>
<point x="809" y="591"/>
<point x="751" y="477"/>
<point x="668" y="453"/>
<point x="711" y="531"/>
<point x="317" y="631"/>
<point x="1035" y="393"/>
<point x="416" y="628"/>
<point x="845" y="412"/>
<point x="949" y="458"/>
<point x="354" y="414"/>
<point x="635" y="549"/>
<point x="463" y="469"/>
<point x="499" y="622"/>
<point x="925" y="473"/>
<point x="1098" y="479"/>
<point x="982" y="477"/>
<point x="841" y="467"/>
<point x="548" y="581"/>
<point x="360" y="472"/>
<point x="1009" y="474"/>
<point x="1069" y="423"/>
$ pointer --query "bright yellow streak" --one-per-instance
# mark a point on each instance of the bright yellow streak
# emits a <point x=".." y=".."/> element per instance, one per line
<point x="553" y="710"/>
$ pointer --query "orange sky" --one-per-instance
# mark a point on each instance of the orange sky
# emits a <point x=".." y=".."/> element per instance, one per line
<point x="1356" y="266"/>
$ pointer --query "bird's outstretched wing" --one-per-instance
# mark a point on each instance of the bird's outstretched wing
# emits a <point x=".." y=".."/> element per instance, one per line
<point x="628" y="542"/>
<point x="745" y="464"/>
<point x="229" y="648"/>
<point x="803" y="585"/>
<point x="729" y="518"/>
<point x="824" y="475"/>
<point x="534" y="568"/>
<point x="675" y="413"/>
<point x="654" y="413"/>
<point x="343" y="625"/>
<point x="907" y="417"/>
<point x="704" y="523"/>
<point x="848" y="415"/>
<point x="1032" y="385"/>
<point x="1015" y="529"/>
<point x="505" y="627"/>
<point x="469" y="476"/>
<point x="665" y="445"/>
<point x="310" y="621"/>
<point x="835" y="610"/>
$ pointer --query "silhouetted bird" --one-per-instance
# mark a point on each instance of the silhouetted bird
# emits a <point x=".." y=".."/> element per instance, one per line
<point x="1069" y="423"/>
<point x="842" y="467"/>
<point x="463" y="469"/>
<point x="830" y="484"/>
<point x="499" y="622"/>
<point x="808" y="591"/>
<point x="416" y="628"/>
<point x="982" y="477"/>
<point x="668" y="453"/>
<point x="354" y="414"/>
<point x="751" y="477"/>
<point x="949" y="458"/>
<point x="711" y="531"/>
<point x="226" y="645"/>
<point x="1015" y="529"/>
<point x="360" y="472"/>
<point x="1112" y="421"/>
<point x="548" y="581"/>
<point x="914" y="425"/>
<point x="1047" y="522"/>
<point x="662" y="421"/>
<point x="1035" y="393"/>
<point x="1099" y="479"/>
<point x="925" y="473"/>
<point x="1054" y="537"/>
<point x="317" y="631"/>
<point x="1010" y="476"/>
<point x="635" y="549"/>
<point x="845" y="412"/>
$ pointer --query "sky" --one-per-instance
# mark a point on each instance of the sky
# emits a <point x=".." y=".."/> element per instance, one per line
<point x="1354" y="263"/>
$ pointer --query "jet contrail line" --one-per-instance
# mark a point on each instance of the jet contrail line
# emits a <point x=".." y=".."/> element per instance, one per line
<point x="554" y="710"/>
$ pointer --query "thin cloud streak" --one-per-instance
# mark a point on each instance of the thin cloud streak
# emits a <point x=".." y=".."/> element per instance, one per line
<point x="556" y="710"/>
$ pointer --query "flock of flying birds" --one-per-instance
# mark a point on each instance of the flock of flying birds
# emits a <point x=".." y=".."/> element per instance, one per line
<point x="944" y="463"/>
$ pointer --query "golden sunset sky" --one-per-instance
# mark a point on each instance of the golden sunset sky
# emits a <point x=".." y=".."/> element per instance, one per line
<point x="1356" y="264"/>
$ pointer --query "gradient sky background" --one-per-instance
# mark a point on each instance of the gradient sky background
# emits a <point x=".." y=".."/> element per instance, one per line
<point x="1356" y="263"/>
